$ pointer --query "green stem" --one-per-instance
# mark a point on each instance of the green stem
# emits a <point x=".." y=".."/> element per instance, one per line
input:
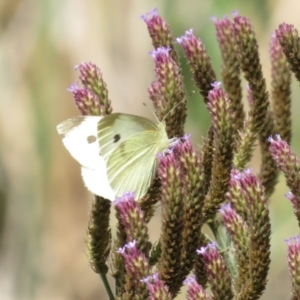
<point x="107" y="286"/>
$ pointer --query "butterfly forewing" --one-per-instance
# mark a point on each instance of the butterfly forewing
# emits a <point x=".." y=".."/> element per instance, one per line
<point x="132" y="166"/>
<point x="116" y="128"/>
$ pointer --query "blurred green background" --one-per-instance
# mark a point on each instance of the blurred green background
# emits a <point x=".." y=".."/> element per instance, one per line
<point x="43" y="203"/>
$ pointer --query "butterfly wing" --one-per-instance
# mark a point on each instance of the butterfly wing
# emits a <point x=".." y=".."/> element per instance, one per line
<point x="115" y="129"/>
<point x="82" y="142"/>
<point x="132" y="166"/>
<point x="127" y="145"/>
<point x="117" y="152"/>
<point x="81" y="139"/>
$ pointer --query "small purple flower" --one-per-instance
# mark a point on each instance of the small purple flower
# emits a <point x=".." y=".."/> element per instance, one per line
<point x="195" y="290"/>
<point x="185" y="37"/>
<point x="156" y="287"/>
<point x="148" y="16"/>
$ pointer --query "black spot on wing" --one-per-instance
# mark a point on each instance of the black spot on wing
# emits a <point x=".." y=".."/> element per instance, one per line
<point x="91" y="139"/>
<point x="117" y="137"/>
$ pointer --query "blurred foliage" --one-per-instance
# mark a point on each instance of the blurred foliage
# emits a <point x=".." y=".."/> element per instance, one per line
<point x="43" y="203"/>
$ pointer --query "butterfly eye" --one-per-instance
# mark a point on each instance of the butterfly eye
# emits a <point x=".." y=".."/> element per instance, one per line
<point x="91" y="139"/>
<point x="117" y="137"/>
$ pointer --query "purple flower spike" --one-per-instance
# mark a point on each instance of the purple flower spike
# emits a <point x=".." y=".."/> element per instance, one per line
<point x="294" y="264"/>
<point x="195" y="291"/>
<point x="216" y="271"/>
<point x="136" y="265"/>
<point x="156" y="287"/>
<point x="133" y="220"/>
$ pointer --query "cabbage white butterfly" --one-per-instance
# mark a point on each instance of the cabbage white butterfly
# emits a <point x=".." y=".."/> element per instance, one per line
<point x="118" y="152"/>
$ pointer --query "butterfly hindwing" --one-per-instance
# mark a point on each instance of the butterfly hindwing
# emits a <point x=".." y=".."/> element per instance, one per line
<point x="132" y="166"/>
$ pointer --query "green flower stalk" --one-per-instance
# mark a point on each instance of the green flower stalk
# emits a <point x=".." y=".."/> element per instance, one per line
<point x="251" y="67"/>
<point x="294" y="265"/>
<point x="99" y="234"/>
<point x="250" y="64"/>
<point x="259" y="226"/>
<point x="99" y="239"/>
<point x="195" y="291"/>
<point x="192" y="176"/>
<point x="133" y="221"/>
<point x="204" y="76"/>
<point x="220" y="109"/>
<point x="235" y="195"/>
<point x="171" y="239"/>
<point x="281" y="90"/>
<point x="217" y="272"/>
<point x="157" y="289"/>
<point x="288" y="38"/>
<point x="246" y="139"/>
<point x="238" y="232"/>
<point x="231" y="69"/>
<point x="137" y="267"/>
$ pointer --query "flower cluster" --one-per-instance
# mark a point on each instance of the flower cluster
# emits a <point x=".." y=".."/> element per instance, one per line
<point x="208" y="184"/>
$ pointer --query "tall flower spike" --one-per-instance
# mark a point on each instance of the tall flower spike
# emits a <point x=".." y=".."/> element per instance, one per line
<point x="157" y="289"/>
<point x="206" y="152"/>
<point x="281" y="90"/>
<point x="204" y="75"/>
<point x="294" y="265"/>
<point x="133" y="220"/>
<point x="259" y="225"/>
<point x="92" y="80"/>
<point x="220" y="110"/>
<point x="268" y="170"/>
<point x="99" y="234"/>
<point x="168" y="93"/>
<point x="289" y="40"/>
<point x="289" y="164"/>
<point x="231" y="69"/>
<point x="246" y="141"/>
<point x="238" y="232"/>
<point x="169" y="265"/>
<point x="199" y="61"/>
<point x="199" y="268"/>
<point x="195" y="291"/>
<point x="160" y="33"/>
<point x="235" y="195"/>
<point x="251" y="67"/>
<point x="280" y="120"/>
<point x="137" y="267"/>
<point x="192" y="181"/>
<point x="217" y="273"/>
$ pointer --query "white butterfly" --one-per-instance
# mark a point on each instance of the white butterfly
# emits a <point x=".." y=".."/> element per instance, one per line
<point x="118" y="152"/>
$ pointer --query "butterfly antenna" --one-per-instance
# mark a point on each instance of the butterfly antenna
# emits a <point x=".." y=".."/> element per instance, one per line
<point x="168" y="113"/>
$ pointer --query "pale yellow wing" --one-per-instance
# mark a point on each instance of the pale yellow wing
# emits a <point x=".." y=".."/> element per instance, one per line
<point x="116" y="128"/>
<point x="132" y="166"/>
